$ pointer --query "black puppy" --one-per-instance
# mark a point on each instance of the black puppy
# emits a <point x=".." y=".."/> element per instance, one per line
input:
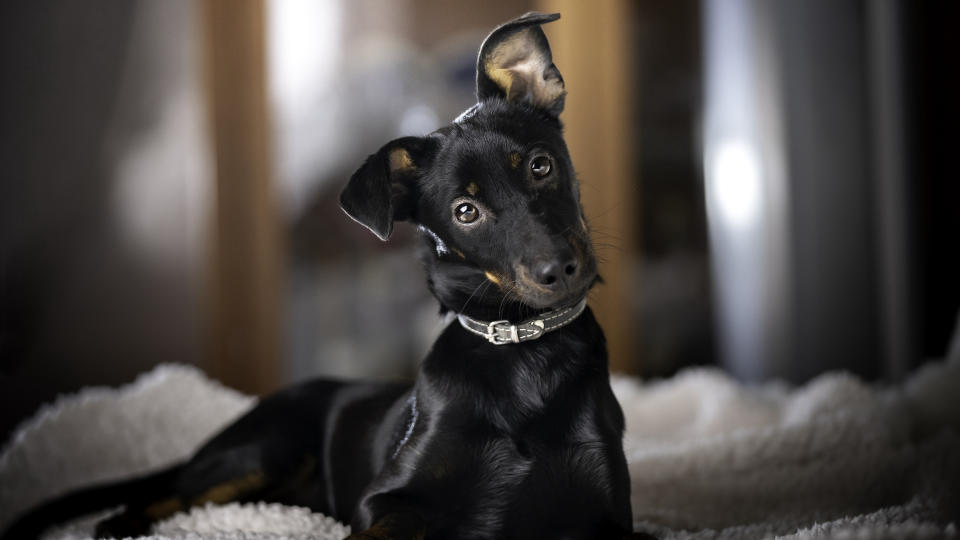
<point x="511" y="429"/>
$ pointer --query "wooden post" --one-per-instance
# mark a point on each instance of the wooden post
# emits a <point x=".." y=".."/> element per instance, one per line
<point x="591" y="48"/>
<point x="245" y="254"/>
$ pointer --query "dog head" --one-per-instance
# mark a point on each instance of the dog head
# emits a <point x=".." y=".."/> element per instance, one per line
<point x="494" y="194"/>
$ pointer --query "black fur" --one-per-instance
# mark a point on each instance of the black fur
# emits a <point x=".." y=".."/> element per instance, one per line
<point x="514" y="441"/>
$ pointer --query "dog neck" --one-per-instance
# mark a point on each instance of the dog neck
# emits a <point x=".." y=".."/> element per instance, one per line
<point x="514" y="383"/>
<point x="502" y="332"/>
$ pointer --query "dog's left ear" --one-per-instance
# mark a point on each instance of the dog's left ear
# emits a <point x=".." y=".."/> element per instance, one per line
<point x="383" y="190"/>
<point x="515" y="64"/>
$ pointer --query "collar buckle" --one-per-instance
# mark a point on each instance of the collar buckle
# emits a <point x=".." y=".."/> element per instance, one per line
<point x="502" y="332"/>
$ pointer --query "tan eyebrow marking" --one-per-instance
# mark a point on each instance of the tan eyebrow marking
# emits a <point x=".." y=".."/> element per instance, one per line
<point x="514" y="159"/>
<point x="473" y="188"/>
<point x="492" y="277"/>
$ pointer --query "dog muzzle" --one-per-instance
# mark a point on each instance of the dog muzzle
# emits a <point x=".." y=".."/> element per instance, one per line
<point x="502" y="332"/>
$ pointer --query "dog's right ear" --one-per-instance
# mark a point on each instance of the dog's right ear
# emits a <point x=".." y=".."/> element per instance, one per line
<point x="383" y="190"/>
<point x="516" y="65"/>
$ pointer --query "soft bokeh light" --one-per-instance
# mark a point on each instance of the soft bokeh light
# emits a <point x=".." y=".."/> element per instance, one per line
<point x="735" y="182"/>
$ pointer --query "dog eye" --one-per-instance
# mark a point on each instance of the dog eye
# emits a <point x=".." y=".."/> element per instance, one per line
<point x="466" y="213"/>
<point x="540" y="166"/>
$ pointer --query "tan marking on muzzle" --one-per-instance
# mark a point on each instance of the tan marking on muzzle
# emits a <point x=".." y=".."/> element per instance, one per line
<point x="496" y="279"/>
<point x="578" y="248"/>
<point x="524" y="277"/>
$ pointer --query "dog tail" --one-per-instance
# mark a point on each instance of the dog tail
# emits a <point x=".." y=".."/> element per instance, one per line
<point x="89" y="500"/>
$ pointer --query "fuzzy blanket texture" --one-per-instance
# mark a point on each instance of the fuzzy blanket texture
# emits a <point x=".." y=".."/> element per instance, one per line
<point x="709" y="458"/>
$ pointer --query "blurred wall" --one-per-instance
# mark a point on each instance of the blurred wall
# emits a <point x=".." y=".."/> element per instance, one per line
<point x="102" y="195"/>
<point x="674" y="321"/>
<point x="822" y="143"/>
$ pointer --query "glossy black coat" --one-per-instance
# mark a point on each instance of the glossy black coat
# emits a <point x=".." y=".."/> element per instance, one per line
<point x="491" y="442"/>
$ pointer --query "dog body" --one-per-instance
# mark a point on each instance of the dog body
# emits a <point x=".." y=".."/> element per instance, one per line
<point x="508" y="444"/>
<point x="514" y="433"/>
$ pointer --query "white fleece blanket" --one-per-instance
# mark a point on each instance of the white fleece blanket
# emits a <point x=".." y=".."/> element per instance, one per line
<point x="709" y="458"/>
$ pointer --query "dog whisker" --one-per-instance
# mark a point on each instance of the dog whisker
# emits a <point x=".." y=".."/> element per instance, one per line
<point x="483" y="285"/>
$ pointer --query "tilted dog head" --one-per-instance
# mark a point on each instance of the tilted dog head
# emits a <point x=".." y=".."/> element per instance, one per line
<point x="494" y="194"/>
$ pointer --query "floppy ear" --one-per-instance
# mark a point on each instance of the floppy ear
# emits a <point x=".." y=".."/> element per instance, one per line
<point x="515" y="64"/>
<point x="383" y="189"/>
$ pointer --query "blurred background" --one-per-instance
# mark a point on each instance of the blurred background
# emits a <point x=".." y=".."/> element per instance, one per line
<point x="771" y="185"/>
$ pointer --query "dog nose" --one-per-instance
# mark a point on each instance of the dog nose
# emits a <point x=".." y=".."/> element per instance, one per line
<point x="556" y="273"/>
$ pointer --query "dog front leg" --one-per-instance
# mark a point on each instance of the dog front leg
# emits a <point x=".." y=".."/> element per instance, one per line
<point x="394" y="526"/>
